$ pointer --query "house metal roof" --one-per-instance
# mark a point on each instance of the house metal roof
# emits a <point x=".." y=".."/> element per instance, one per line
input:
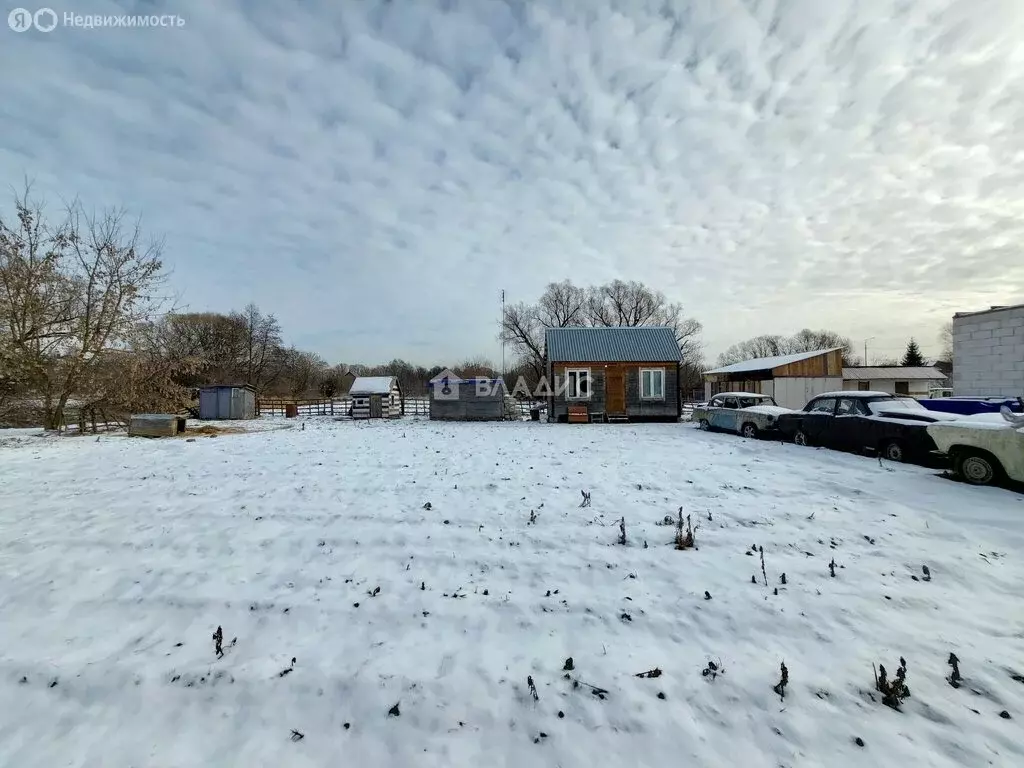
<point x="641" y="344"/>
<point x="893" y="373"/>
<point x="767" y="363"/>
<point x="371" y="385"/>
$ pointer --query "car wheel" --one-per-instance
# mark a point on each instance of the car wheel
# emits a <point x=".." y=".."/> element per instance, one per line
<point x="749" y="431"/>
<point x="800" y="438"/>
<point x="976" y="468"/>
<point x="893" y="451"/>
<point x="705" y="425"/>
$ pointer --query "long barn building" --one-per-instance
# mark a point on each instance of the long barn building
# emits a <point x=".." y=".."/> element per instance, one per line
<point x="791" y="379"/>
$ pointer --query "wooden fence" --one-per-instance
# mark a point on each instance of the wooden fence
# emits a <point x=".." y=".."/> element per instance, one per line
<point x="340" y="407"/>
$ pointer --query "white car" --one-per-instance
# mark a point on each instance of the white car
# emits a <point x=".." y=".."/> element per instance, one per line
<point x="745" y="413"/>
<point x="983" y="448"/>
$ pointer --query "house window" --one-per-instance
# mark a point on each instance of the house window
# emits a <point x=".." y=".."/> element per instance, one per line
<point x="577" y="384"/>
<point x="902" y="387"/>
<point x="864" y="386"/>
<point x="652" y="383"/>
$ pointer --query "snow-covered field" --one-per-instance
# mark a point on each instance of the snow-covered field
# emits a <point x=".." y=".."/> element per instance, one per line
<point x="120" y="557"/>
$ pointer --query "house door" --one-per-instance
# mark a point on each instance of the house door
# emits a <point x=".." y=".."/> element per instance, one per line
<point x="615" y="391"/>
<point x="375" y="409"/>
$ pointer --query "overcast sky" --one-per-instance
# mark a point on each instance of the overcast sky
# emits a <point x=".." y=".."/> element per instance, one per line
<point x="375" y="173"/>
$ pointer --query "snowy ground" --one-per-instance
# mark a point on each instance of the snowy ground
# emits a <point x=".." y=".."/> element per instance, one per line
<point x="120" y="557"/>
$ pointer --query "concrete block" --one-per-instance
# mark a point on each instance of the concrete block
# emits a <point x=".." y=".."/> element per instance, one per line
<point x="981" y="334"/>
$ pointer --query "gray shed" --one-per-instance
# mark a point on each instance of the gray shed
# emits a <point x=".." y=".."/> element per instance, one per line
<point x="473" y="399"/>
<point x="227" y="401"/>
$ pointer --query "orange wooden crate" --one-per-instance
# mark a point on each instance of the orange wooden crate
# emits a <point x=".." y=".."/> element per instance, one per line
<point x="578" y="414"/>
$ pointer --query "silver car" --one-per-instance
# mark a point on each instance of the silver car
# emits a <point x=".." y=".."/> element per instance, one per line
<point x="745" y="413"/>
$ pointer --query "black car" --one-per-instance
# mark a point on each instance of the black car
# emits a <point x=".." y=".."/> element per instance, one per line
<point x="894" y="427"/>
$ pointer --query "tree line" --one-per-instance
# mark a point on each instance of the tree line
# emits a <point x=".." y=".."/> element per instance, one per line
<point x="86" y="323"/>
<point x="85" y="320"/>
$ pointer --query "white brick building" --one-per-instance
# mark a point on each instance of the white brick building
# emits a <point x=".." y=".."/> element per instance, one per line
<point x="988" y="352"/>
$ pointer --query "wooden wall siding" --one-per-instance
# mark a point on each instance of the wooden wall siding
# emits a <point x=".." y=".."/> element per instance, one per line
<point x="828" y="364"/>
<point x="635" y="407"/>
<point x="361" y="405"/>
<point x="754" y="387"/>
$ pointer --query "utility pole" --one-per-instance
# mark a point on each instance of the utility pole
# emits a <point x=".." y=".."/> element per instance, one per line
<point x="502" y="334"/>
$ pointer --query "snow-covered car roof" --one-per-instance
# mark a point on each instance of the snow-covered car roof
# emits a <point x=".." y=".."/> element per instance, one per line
<point x="754" y="395"/>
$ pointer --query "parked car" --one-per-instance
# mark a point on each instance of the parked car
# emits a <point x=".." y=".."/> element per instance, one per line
<point x="745" y="413"/>
<point x="894" y="427"/>
<point x="983" y="449"/>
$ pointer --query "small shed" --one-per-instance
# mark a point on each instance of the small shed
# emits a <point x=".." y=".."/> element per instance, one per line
<point x="612" y="374"/>
<point x="470" y="399"/>
<point x="377" y="397"/>
<point x="155" y="425"/>
<point x="791" y="379"/>
<point x="227" y="401"/>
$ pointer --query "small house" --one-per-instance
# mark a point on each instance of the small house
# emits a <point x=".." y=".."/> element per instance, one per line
<point x="227" y="401"/>
<point x="612" y="374"/>
<point x="376" y="397"/>
<point x="472" y="399"/>
<point x="791" y="379"/>
<point x="155" y="425"/>
<point x="895" y="379"/>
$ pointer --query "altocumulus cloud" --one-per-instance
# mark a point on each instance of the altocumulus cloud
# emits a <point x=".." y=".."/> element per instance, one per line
<point x="376" y="172"/>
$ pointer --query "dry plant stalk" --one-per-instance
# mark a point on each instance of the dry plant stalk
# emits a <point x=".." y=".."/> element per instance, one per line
<point x="780" y="687"/>
<point x="684" y="540"/>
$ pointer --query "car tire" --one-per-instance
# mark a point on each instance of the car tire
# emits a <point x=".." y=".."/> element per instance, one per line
<point x="800" y="438"/>
<point x="704" y="424"/>
<point x="893" y="451"/>
<point x="749" y="431"/>
<point x="976" y="468"/>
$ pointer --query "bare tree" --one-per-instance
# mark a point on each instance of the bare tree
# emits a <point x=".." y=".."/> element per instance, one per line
<point x="213" y="344"/>
<point x="946" y="342"/>
<point x="773" y="345"/>
<point x="302" y="371"/>
<point x="262" y="355"/>
<point x="477" y="366"/>
<point x="759" y="346"/>
<point x="69" y="294"/>
<point x="810" y="341"/>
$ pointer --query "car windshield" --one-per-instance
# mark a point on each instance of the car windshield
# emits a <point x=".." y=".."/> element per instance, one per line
<point x="746" y="402"/>
<point x="894" y="404"/>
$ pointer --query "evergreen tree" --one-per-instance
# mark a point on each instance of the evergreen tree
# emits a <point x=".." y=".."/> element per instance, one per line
<point x="912" y="357"/>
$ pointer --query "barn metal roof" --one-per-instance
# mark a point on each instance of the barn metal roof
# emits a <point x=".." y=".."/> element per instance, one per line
<point x="767" y="363"/>
<point x="642" y="344"/>
<point x="890" y="372"/>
